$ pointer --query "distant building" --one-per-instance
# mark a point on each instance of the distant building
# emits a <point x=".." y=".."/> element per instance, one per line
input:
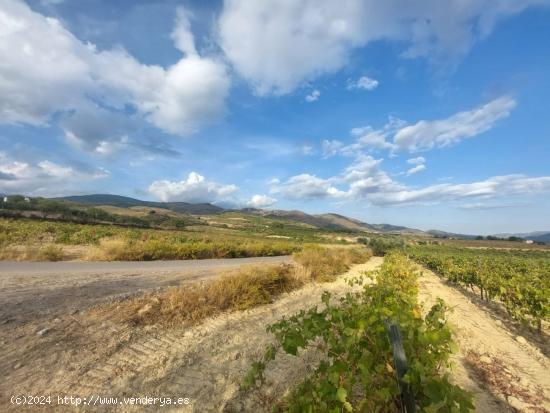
<point x="27" y="199"/>
<point x="5" y="199"/>
<point x="529" y="241"/>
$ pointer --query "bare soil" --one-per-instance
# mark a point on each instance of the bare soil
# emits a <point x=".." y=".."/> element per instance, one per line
<point x="504" y="364"/>
<point x="81" y="355"/>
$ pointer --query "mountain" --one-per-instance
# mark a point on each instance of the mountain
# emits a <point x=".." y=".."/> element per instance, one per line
<point x="334" y="221"/>
<point x="328" y="221"/>
<point x="543" y="236"/>
<point x="127" y="202"/>
<point x="445" y="234"/>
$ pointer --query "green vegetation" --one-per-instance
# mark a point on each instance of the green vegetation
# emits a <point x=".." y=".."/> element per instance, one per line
<point x="357" y="373"/>
<point x="380" y="246"/>
<point x="520" y="280"/>
<point x="53" y="210"/>
<point x="241" y="289"/>
<point x="107" y="242"/>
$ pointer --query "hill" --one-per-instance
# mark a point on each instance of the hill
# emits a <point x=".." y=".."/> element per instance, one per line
<point x="543" y="236"/>
<point x="127" y="202"/>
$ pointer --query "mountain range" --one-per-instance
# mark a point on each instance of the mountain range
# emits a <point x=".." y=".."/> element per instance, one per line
<point x="330" y="221"/>
<point x="324" y="221"/>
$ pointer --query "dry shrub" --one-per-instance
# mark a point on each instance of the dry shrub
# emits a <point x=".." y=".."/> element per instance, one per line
<point x="239" y="290"/>
<point x="109" y="249"/>
<point x="50" y="253"/>
<point x="324" y="264"/>
<point x="29" y="252"/>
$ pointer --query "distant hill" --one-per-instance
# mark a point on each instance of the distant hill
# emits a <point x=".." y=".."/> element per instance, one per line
<point x="543" y="236"/>
<point x="334" y="221"/>
<point x="127" y="202"/>
<point x="445" y="234"/>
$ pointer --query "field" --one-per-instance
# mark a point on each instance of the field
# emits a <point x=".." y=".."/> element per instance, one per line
<point x="31" y="239"/>
<point x="306" y="332"/>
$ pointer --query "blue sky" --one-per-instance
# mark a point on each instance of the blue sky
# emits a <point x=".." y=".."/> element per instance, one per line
<point x="427" y="114"/>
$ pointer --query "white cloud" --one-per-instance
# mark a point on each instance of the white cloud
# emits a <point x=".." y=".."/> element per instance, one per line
<point x="194" y="189"/>
<point x="419" y="165"/>
<point x="331" y="147"/>
<point x="364" y="180"/>
<point x="306" y="186"/>
<point x="438" y="133"/>
<point x="417" y="161"/>
<point x="498" y="186"/>
<point x="261" y="201"/>
<point x="425" y="134"/>
<point x="45" y="70"/>
<point x="277" y="46"/>
<point x="43" y="177"/>
<point x="364" y="82"/>
<point x="416" y="169"/>
<point x="313" y="96"/>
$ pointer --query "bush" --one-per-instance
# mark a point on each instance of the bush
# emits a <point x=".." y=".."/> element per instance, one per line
<point x="380" y="246"/>
<point x="238" y="290"/>
<point x="50" y="253"/>
<point x="323" y="264"/>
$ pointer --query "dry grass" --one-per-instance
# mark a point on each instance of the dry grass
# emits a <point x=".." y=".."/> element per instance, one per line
<point x="49" y="252"/>
<point x="324" y="264"/>
<point x="237" y="290"/>
<point x="240" y="289"/>
<point x="107" y="250"/>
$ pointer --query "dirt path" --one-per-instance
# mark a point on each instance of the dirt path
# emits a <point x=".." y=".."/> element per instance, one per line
<point x="30" y="291"/>
<point x="83" y="356"/>
<point x="505" y="371"/>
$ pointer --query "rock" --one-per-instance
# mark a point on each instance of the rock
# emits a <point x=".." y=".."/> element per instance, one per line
<point x="237" y="355"/>
<point x="17" y="366"/>
<point x="485" y="359"/>
<point x="521" y="340"/>
<point x="57" y="320"/>
<point x="518" y="404"/>
<point x="75" y="311"/>
<point x="43" y="332"/>
<point x="524" y="382"/>
<point x="498" y="323"/>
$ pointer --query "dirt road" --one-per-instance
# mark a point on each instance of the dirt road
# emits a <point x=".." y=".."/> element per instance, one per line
<point x="503" y="364"/>
<point x="33" y="290"/>
<point x="81" y="355"/>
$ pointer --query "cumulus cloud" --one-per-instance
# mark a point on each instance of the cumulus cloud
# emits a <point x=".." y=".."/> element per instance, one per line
<point x="313" y="96"/>
<point x="261" y="201"/>
<point x="43" y="177"/>
<point x="195" y="189"/>
<point x="46" y="70"/>
<point x="364" y="82"/>
<point x="438" y="133"/>
<point x="419" y="165"/>
<point x="306" y="186"/>
<point x="277" y="45"/>
<point x="365" y="180"/>
<point x="331" y="147"/>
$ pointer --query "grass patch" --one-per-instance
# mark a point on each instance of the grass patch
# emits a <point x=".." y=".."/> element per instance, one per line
<point x="49" y="252"/>
<point x="118" y="249"/>
<point x="324" y="264"/>
<point x="237" y="290"/>
<point x="241" y="289"/>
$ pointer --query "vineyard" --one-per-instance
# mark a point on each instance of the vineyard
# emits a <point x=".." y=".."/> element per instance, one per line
<point x="358" y="373"/>
<point x="520" y="280"/>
